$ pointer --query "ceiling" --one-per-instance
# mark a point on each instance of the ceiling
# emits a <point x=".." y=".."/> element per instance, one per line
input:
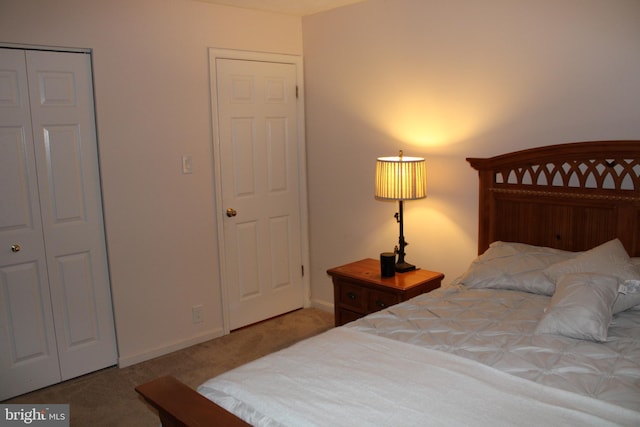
<point x="289" y="7"/>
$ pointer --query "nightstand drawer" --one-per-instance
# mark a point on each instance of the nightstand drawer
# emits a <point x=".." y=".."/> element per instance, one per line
<point x="379" y="300"/>
<point x="352" y="296"/>
<point x="346" y="316"/>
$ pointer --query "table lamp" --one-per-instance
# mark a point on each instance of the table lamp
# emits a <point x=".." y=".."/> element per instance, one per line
<point x="401" y="178"/>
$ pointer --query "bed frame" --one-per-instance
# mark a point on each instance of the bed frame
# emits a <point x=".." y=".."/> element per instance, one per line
<point x="568" y="196"/>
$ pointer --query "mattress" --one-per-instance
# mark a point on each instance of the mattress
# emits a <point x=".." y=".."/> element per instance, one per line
<point x="496" y="328"/>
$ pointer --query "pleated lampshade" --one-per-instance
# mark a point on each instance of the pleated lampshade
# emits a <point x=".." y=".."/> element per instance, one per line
<point x="401" y="178"/>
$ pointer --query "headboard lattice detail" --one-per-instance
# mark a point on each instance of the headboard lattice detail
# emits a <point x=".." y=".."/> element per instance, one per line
<point x="618" y="174"/>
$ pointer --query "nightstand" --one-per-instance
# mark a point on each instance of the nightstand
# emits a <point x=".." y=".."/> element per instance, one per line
<point x="359" y="289"/>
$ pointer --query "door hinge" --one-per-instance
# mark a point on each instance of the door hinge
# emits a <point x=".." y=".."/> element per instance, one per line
<point x="297" y="92"/>
<point x="302" y="269"/>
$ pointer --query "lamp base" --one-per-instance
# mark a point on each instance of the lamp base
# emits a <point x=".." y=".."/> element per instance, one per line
<point x="403" y="267"/>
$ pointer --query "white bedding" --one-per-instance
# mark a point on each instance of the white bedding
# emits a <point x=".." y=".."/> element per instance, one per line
<point x="348" y="378"/>
<point x="496" y="328"/>
<point x="455" y="356"/>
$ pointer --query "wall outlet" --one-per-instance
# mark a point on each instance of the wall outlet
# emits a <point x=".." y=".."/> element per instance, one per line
<point x="196" y="314"/>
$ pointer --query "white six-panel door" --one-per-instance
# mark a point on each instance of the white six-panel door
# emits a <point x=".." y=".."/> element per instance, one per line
<point x="258" y="149"/>
<point x="56" y="320"/>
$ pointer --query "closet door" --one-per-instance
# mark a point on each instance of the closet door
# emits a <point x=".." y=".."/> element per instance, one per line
<point x="28" y="351"/>
<point x="61" y="94"/>
<point x="62" y="163"/>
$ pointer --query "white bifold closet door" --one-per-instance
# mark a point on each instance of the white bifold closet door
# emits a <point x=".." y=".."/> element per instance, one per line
<point x="56" y="318"/>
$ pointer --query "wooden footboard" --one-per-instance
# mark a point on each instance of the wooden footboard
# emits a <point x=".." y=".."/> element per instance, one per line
<point x="180" y="406"/>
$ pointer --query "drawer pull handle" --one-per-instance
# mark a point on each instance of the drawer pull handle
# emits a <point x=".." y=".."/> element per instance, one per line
<point x="381" y="304"/>
<point x="351" y="295"/>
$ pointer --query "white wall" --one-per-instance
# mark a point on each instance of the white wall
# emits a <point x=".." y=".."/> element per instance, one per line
<point x="448" y="80"/>
<point x="152" y="102"/>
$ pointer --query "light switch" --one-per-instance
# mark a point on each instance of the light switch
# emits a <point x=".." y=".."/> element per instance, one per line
<point x="187" y="164"/>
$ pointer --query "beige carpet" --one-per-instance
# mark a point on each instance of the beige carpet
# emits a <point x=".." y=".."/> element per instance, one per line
<point x="107" y="397"/>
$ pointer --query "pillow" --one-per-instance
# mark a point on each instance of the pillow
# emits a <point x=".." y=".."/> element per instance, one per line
<point x="631" y="291"/>
<point x="581" y="307"/>
<point x="515" y="266"/>
<point x="610" y="258"/>
<point x="628" y="296"/>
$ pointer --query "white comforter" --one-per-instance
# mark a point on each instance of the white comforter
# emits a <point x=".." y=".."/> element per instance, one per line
<point x="451" y="357"/>
<point x="391" y="383"/>
<point x="496" y="328"/>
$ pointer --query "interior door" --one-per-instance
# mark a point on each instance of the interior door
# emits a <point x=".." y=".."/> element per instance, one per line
<point x="51" y="216"/>
<point x="257" y="126"/>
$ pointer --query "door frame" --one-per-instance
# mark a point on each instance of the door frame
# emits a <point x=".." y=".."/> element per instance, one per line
<point x="215" y="54"/>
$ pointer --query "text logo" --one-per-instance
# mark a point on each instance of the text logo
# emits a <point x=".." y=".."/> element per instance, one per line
<point x="34" y="415"/>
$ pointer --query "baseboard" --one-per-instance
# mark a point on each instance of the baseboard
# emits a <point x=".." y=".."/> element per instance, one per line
<point x="125" y="361"/>
<point x="322" y="305"/>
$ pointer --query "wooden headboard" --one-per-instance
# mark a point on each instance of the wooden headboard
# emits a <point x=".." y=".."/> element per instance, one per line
<point x="568" y="196"/>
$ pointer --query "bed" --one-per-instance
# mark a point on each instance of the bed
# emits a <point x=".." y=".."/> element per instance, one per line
<point x="543" y="328"/>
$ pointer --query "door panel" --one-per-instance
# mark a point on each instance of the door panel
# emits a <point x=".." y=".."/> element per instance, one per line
<point x="62" y="150"/>
<point x="280" y="238"/>
<point x="249" y="285"/>
<point x="24" y="304"/>
<point x="277" y="153"/>
<point x="257" y="111"/>
<point x="14" y="177"/>
<point x="81" y="324"/>
<point x="29" y="358"/>
<point x="243" y="141"/>
<point x="61" y="96"/>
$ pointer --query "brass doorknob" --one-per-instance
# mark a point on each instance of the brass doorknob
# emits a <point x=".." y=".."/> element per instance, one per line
<point x="231" y="212"/>
<point x="15" y="247"/>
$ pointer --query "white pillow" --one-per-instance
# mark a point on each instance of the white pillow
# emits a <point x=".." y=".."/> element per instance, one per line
<point x="581" y="307"/>
<point x="515" y="266"/>
<point x="611" y="259"/>
<point x="628" y="296"/>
